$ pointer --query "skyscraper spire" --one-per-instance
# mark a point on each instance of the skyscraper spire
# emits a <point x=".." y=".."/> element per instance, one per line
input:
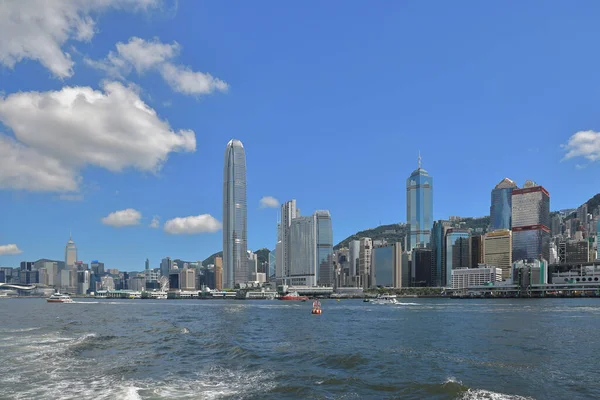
<point x="419" y="159"/>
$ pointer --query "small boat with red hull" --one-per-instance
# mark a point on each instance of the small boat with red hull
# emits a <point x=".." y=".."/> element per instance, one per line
<point x="293" y="296"/>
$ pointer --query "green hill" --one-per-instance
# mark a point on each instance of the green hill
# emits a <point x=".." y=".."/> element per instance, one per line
<point x="262" y="255"/>
<point x="396" y="232"/>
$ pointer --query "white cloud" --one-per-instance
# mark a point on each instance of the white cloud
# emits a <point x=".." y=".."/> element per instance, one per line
<point x="269" y="202"/>
<point x="121" y="218"/>
<point x="155" y="223"/>
<point x="193" y="224"/>
<point x="184" y="80"/>
<point x="9" y="249"/>
<point x="38" y="29"/>
<point x="143" y="55"/>
<point x="61" y="132"/>
<point x="583" y="144"/>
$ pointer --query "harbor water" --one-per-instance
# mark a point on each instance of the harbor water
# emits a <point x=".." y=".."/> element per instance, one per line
<point x="194" y="349"/>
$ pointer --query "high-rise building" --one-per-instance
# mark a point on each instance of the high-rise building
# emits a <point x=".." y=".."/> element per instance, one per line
<point x="530" y="220"/>
<point x="438" y="256"/>
<point x="324" y="248"/>
<point x="289" y="212"/>
<point x="353" y="255"/>
<point x="70" y="253"/>
<point x="598" y="240"/>
<point x="382" y="266"/>
<point x="83" y="281"/>
<point x="302" y="252"/>
<point x="235" y="225"/>
<point x="422" y="261"/>
<point x="457" y="252"/>
<point x="397" y="277"/>
<point x="501" y="205"/>
<point x="252" y="260"/>
<point x="364" y="262"/>
<point x="497" y="250"/>
<point x="467" y="277"/>
<point x="419" y="208"/>
<point x="218" y="273"/>
<point x="476" y="247"/>
<point x="187" y="278"/>
<point x="165" y="266"/>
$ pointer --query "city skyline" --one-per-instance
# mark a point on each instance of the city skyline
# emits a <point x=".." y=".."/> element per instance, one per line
<point x="156" y="190"/>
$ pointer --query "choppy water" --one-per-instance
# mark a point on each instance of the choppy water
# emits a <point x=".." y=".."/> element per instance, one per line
<point x="191" y="349"/>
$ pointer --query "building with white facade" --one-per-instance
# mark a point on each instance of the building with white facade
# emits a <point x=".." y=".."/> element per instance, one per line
<point x="463" y="278"/>
<point x="302" y="252"/>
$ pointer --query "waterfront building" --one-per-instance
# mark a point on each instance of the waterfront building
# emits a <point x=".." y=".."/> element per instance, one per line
<point x="383" y="266"/>
<point x="422" y="264"/>
<point x="364" y="261"/>
<point x="70" y="253"/>
<point x="324" y="246"/>
<point x="476" y="247"/>
<point x="272" y="265"/>
<point x="83" y="281"/>
<point x="289" y="212"/>
<point x="501" y="205"/>
<point x="406" y="269"/>
<point x="463" y="278"/>
<point x="457" y="252"/>
<point x="534" y="272"/>
<point x="187" y="278"/>
<point x="530" y="220"/>
<point x="397" y="277"/>
<point x="497" y="249"/>
<point x="174" y="278"/>
<point x="107" y="283"/>
<point x="137" y="283"/>
<point x="438" y="255"/>
<point x="218" y="273"/>
<point x="577" y="251"/>
<point x="419" y="208"/>
<point x="302" y="252"/>
<point x="353" y="257"/>
<point x="235" y="224"/>
<point x="27" y="274"/>
<point x="252" y="261"/>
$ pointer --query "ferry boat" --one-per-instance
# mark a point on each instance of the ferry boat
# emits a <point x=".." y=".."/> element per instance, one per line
<point x="59" y="298"/>
<point x="385" y="299"/>
<point x="293" y="296"/>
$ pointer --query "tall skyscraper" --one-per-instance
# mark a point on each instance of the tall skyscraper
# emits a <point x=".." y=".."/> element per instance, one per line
<point x="235" y="242"/>
<point x="218" y="273"/>
<point x="353" y="254"/>
<point x="288" y="213"/>
<point x="457" y="252"/>
<point x="165" y="266"/>
<point x="501" y="205"/>
<point x="419" y="208"/>
<point x="364" y="262"/>
<point x="497" y="251"/>
<point x="438" y="256"/>
<point x="324" y="248"/>
<point x="530" y="222"/>
<point x="70" y="253"/>
<point x="302" y="252"/>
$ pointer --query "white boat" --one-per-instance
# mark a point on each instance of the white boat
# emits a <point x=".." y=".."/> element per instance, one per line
<point x="59" y="298"/>
<point x="158" y="295"/>
<point x="385" y="299"/>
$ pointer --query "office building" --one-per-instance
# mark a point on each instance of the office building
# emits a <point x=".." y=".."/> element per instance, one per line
<point x="302" y="252"/>
<point x="235" y="224"/>
<point x="530" y="220"/>
<point x="476" y="247"/>
<point x="463" y="278"/>
<point x="419" y="208"/>
<point x="324" y="239"/>
<point x="70" y="253"/>
<point x="364" y="262"/>
<point x="501" y="205"/>
<point x="422" y="265"/>
<point x="289" y="212"/>
<point x="83" y="281"/>
<point x="438" y="254"/>
<point x="272" y="265"/>
<point x="406" y="269"/>
<point x="497" y="250"/>
<point x="166" y="265"/>
<point x="525" y="273"/>
<point x="187" y="278"/>
<point x="174" y="278"/>
<point x="398" y="280"/>
<point x="382" y="266"/>
<point x="353" y="257"/>
<point x="457" y="252"/>
<point x="577" y="251"/>
<point x="218" y="273"/>
<point x="252" y="261"/>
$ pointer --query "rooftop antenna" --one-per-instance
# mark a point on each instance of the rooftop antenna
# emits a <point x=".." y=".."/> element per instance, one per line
<point x="419" y="159"/>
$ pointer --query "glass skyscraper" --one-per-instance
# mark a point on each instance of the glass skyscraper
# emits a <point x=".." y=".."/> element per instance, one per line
<point x="235" y="242"/>
<point x="457" y="252"/>
<point x="324" y="248"/>
<point x="419" y="208"/>
<point x="501" y="205"/>
<point x="530" y="220"/>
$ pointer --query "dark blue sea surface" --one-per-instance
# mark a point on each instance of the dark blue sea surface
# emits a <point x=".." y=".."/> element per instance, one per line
<point x="194" y="349"/>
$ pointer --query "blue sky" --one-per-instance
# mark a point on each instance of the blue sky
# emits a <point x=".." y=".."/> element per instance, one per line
<point x="332" y="100"/>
